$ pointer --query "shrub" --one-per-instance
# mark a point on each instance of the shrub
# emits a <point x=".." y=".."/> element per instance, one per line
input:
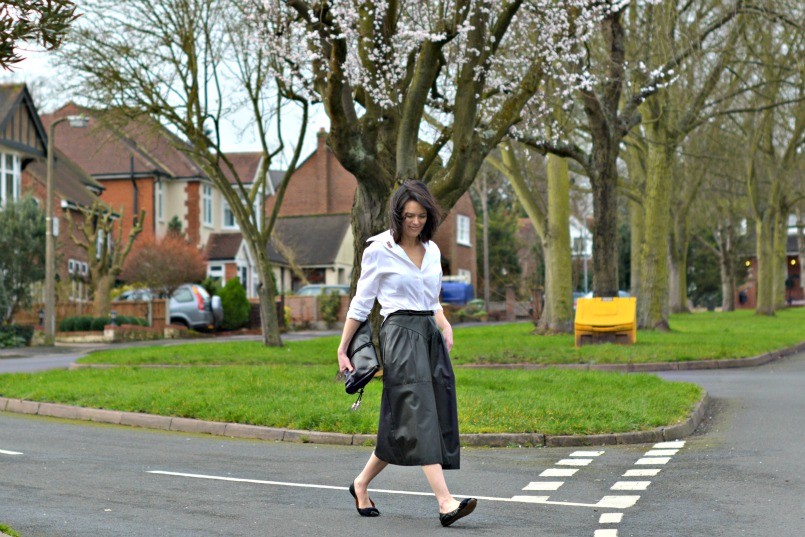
<point x="97" y="323"/>
<point x="15" y="335"/>
<point x="83" y="323"/>
<point x="212" y="286"/>
<point x="235" y="304"/>
<point x="67" y="324"/>
<point x="329" y="306"/>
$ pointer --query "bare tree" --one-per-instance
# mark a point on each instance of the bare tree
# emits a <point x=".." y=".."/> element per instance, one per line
<point x="190" y="65"/>
<point x="106" y="252"/>
<point x="44" y="22"/>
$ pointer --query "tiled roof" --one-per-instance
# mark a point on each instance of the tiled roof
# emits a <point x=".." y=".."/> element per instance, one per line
<point x="106" y="149"/>
<point x="315" y="240"/>
<point x="246" y="165"/>
<point x="222" y="246"/>
<point x="69" y="180"/>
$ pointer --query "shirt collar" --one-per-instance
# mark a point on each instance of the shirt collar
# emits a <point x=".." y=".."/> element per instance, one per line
<point x="387" y="240"/>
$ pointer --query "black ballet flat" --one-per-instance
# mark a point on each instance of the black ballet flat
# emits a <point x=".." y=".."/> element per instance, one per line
<point x="466" y="507"/>
<point x="367" y="511"/>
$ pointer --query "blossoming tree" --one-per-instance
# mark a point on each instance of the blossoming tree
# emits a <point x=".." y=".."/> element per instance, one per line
<point x="425" y="89"/>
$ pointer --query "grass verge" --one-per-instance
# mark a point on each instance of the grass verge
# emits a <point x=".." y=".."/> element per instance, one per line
<point x="8" y="531"/>
<point x="700" y="336"/>
<point x="549" y="401"/>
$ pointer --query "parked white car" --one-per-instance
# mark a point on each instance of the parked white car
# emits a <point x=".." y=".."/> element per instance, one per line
<point x="190" y="305"/>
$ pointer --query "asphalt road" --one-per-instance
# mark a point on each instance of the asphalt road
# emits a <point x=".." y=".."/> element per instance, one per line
<point x="740" y="474"/>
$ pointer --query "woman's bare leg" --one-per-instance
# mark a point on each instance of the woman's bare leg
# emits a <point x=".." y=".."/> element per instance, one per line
<point x="373" y="467"/>
<point x="435" y="476"/>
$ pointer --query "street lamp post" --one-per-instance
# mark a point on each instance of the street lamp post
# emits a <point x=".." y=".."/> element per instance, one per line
<point x="50" y="253"/>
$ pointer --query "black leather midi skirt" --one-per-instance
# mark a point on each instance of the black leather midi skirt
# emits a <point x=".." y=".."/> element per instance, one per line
<point x="418" y="413"/>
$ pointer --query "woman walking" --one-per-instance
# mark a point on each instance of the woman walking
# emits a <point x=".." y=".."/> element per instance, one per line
<point x="418" y="415"/>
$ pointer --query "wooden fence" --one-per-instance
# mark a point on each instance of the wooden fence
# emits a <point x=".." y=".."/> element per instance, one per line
<point x="74" y="309"/>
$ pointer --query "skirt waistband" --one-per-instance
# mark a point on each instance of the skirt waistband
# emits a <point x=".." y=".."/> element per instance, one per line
<point x="418" y="313"/>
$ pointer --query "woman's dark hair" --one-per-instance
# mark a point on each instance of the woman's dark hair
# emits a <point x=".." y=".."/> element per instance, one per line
<point x="417" y="191"/>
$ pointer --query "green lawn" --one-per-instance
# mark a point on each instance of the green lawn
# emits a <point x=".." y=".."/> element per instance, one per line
<point x="697" y="336"/>
<point x="294" y="386"/>
<point x="548" y="401"/>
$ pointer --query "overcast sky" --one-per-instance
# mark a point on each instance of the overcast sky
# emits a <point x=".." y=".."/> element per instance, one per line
<point x="48" y="93"/>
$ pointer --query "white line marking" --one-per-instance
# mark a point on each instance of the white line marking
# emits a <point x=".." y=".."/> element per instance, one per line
<point x="654" y="460"/>
<point x="642" y="473"/>
<point x="530" y="499"/>
<point x="631" y="485"/>
<point x="586" y="453"/>
<point x="559" y="472"/>
<point x="676" y="444"/>
<point x="606" y="502"/>
<point x="605" y="533"/>
<point x="610" y="518"/>
<point x="544" y="485"/>
<point x="617" y="502"/>
<point x="661" y="452"/>
<point x="574" y="462"/>
<point x="4" y="452"/>
<point x="609" y="502"/>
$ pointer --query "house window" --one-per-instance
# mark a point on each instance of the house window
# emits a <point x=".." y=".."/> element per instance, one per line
<point x="206" y="205"/>
<point x="160" y="203"/>
<point x="229" y="218"/>
<point x="216" y="272"/>
<point x="465" y="275"/>
<point x="463" y="228"/>
<point x="9" y="178"/>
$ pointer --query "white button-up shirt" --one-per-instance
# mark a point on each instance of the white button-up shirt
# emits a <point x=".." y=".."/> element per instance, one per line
<point x="389" y="275"/>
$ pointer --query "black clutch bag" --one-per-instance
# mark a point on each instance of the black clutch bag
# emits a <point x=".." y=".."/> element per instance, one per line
<point x="362" y="354"/>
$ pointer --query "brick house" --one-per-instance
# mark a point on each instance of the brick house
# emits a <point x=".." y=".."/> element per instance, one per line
<point x="23" y="171"/>
<point x="315" y="226"/>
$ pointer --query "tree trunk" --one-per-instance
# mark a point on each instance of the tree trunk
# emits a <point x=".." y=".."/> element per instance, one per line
<point x="652" y="304"/>
<point x="558" y="313"/>
<point x="678" y="263"/>
<point x="779" y="247"/>
<point x="605" y="226"/>
<point x="635" y="163"/>
<point x="102" y="302"/>
<point x="369" y="217"/>
<point x="765" y="266"/>
<point x="637" y="226"/>
<point x="727" y="268"/>
<point x="266" y="293"/>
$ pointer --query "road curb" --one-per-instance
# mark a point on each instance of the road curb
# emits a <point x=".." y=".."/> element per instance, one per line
<point x="239" y="430"/>
<point x="727" y="363"/>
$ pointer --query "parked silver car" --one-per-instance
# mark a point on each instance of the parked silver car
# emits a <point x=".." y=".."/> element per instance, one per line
<point x="190" y="305"/>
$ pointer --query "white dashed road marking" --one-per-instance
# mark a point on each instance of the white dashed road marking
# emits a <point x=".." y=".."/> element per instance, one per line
<point x="4" y="452"/>
<point x="661" y="452"/>
<point x="653" y="460"/>
<point x="574" y="462"/>
<point x="631" y="485"/>
<point x="676" y="444"/>
<point x="558" y="472"/>
<point x="586" y="453"/>
<point x="610" y="518"/>
<point x="642" y="473"/>
<point x="544" y="485"/>
<point x="605" y="533"/>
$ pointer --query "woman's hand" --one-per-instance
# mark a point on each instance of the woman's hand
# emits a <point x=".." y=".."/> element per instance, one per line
<point x="344" y="364"/>
<point x="447" y="334"/>
<point x="350" y="327"/>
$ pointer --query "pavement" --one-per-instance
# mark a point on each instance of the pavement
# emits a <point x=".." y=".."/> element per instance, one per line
<point x="72" y="351"/>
